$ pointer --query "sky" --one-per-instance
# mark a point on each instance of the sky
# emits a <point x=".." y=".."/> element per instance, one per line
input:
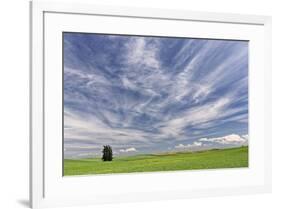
<point x="153" y="94"/>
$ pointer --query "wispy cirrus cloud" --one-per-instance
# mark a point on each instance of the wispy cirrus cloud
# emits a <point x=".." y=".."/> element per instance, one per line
<point x="152" y="93"/>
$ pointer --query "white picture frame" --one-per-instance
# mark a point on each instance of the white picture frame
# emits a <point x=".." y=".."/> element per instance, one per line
<point x="49" y="188"/>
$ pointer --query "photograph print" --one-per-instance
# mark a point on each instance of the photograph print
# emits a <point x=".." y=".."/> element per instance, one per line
<point x="135" y="103"/>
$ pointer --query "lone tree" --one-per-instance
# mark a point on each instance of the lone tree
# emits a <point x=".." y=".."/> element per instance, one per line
<point x="107" y="153"/>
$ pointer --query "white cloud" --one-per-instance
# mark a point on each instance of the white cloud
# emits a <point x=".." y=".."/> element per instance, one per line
<point x="193" y="145"/>
<point x="179" y="146"/>
<point x="229" y="139"/>
<point x="246" y="136"/>
<point x="131" y="149"/>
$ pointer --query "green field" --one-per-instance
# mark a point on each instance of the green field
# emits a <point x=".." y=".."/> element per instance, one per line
<point x="211" y="159"/>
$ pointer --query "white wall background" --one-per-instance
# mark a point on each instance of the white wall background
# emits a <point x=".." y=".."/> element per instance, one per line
<point x="14" y="97"/>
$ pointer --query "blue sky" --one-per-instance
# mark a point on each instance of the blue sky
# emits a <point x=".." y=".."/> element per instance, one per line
<point x="153" y="94"/>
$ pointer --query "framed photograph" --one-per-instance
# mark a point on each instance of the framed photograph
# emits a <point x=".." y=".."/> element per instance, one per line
<point x="135" y="104"/>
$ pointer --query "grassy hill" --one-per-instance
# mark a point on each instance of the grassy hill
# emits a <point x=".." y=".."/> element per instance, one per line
<point x="211" y="159"/>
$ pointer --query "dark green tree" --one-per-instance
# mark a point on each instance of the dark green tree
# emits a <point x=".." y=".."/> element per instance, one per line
<point x="107" y="153"/>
